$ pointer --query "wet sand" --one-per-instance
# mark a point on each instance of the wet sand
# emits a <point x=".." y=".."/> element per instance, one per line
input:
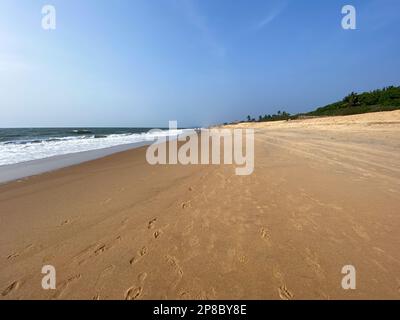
<point x="325" y="193"/>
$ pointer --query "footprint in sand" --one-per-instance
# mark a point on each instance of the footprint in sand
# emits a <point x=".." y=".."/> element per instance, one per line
<point x="95" y="250"/>
<point x="278" y="275"/>
<point x="265" y="235"/>
<point x="284" y="293"/>
<point x="312" y="260"/>
<point x="13" y="255"/>
<point x="142" y="252"/>
<point x="133" y="293"/>
<point x="173" y="262"/>
<point x="185" y="205"/>
<point x="13" y="286"/>
<point x="184" y="295"/>
<point x="17" y="254"/>
<point x="104" y="247"/>
<point x="142" y="277"/>
<point x="65" y="222"/>
<point x="157" y="234"/>
<point x="242" y="259"/>
<point x="100" y="250"/>
<point x="151" y="224"/>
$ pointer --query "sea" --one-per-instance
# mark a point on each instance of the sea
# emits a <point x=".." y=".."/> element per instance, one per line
<point x="26" y="144"/>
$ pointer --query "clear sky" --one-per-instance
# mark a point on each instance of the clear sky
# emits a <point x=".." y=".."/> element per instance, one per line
<point x="144" y="62"/>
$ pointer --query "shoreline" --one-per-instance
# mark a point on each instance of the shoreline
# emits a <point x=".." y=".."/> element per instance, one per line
<point x="23" y="170"/>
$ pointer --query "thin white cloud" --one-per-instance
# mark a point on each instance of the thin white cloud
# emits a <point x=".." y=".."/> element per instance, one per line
<point x="271" y="16"/>
<point x="193" y="15"/>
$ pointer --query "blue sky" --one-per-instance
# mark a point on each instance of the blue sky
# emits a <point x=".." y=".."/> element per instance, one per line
<point x="144" y="62"/>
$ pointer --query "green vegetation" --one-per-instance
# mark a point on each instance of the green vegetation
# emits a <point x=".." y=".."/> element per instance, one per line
<point x="281" y="115"/>
<point x="386" y="99"/>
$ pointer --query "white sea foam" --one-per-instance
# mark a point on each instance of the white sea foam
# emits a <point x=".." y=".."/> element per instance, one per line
<point x="12" y="153"/>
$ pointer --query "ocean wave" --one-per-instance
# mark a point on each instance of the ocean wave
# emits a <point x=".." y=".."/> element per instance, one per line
<point x="12" y="152"/>
<point x="81" y="131"/>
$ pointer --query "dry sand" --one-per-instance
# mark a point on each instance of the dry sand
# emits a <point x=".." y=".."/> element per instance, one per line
<point x="325" y="193"/>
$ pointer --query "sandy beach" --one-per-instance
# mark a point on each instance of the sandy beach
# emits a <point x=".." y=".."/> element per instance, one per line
<point x="325" y="193"/>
